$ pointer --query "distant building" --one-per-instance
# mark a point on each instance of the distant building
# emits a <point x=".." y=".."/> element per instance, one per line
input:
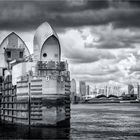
<point x="82" y="88"/>
<point x="73" y="85"/>
<point x="73" y="91"/>
<point x="101" y="91"/>
<point x="87" y="90"/>
<point x="130" y="89"/>
<point x="138" y="95"/>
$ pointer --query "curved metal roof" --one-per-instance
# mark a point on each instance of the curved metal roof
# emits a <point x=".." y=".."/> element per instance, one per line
<point x="13" y="33"/>
<point x="43" y="32"/>
<point x="5" y="44"/>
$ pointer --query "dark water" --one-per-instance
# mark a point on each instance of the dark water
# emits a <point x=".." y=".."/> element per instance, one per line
<point x="90" y="121"/>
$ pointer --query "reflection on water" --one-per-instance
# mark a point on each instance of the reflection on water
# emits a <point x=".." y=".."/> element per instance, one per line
<point x="90" y="121"/>
<point x="33" y="133"/>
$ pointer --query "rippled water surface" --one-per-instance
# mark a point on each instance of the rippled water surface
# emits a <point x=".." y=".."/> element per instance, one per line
<point x="88" y="121"/>
<point x="106" y="121"/>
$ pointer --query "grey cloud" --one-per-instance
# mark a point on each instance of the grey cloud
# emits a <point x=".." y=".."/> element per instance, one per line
<point x="98" y="79"/>
<point x="85" y="57"/>
<point x="24" y="15"/>
<point x="29" y="14"/>
<point x="114" y="45"/>
<point x="133" y="69"/>
<point x="97" y="73"/>
<point x="114" y="39"/>
<point x="110" y="44"/>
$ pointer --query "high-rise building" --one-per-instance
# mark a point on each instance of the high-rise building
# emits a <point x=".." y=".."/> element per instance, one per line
<point x="130" y="89"/>
<point x="73" y="85"/>
<point x="138" y="95"/>
<point x="87" y="90"/>
<point x="73" y="91"/>
<point x="82" y="88"/>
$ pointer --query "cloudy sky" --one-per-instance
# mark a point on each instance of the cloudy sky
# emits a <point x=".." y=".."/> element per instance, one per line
<point x="99" y="39"/>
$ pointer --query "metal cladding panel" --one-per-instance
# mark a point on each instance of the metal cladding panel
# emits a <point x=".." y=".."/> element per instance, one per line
<point x="36" y="87"/>
<point x="61" y="86"/>
<point x="43" y="32"/>
<point x="21" y="69"/>
<point x="3" y="63"/>
<point x="12" y="41"/>
<point x="49" y="86"/>
<point x="23" y="91"/>
<point x="50" y="50"/>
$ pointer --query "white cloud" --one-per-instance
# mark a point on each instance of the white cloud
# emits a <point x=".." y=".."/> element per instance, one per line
<point x="92" y="64"/>
<point x="73" y="47"/>
<point x="102" y="65"/>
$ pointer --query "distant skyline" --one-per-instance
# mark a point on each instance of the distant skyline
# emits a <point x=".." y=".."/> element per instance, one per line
<point x="100" y="39"/>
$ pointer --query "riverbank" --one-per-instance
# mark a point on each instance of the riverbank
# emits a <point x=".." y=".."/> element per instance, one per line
<point x="101" y="101"/>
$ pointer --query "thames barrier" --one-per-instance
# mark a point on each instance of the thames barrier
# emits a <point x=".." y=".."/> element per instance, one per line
<point x="35" y="89"/>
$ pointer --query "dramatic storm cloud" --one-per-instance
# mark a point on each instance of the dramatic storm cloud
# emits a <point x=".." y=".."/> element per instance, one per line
<point x="99" y="39"/>
<point x="68" y="13"/>
<point x="63" y="13"/>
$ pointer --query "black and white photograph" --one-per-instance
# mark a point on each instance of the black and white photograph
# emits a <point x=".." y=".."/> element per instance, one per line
<point x="70" y="69"/>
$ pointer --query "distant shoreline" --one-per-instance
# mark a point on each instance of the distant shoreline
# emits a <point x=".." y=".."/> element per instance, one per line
<point x="108" y="101"/>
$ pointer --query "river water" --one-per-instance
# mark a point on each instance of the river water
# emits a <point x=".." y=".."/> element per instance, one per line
<point x="88" y="121"/>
